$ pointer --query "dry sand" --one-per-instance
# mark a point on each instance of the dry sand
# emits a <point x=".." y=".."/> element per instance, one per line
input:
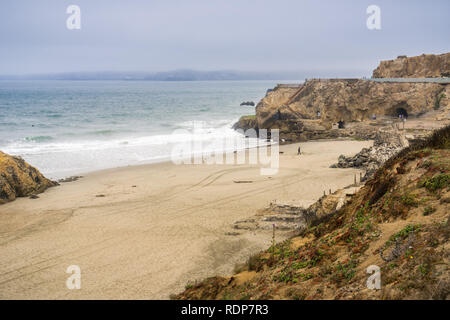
<point x="143" y="232"/>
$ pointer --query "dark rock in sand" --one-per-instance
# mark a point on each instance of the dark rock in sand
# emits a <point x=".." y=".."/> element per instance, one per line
<point x="70" y="179"/>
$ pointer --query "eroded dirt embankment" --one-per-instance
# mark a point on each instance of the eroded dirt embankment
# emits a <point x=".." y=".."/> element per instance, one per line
<point x="398" y="221"/>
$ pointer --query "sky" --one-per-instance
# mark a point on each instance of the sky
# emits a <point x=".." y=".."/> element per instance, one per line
<point x="326" y="37"/>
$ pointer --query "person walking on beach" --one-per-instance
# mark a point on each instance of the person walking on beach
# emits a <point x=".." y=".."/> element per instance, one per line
<point x="298" y="151"/>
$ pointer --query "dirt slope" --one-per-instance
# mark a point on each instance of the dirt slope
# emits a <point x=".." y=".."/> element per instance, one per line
<point x="398" y="221"/>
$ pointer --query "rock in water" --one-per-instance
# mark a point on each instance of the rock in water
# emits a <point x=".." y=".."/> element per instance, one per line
<point x="19" y="179"/>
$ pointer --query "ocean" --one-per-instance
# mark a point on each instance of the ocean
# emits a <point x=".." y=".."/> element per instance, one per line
<point x="66" y="128"/>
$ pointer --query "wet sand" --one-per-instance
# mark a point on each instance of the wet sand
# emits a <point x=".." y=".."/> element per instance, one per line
<point x="143" y="232"/>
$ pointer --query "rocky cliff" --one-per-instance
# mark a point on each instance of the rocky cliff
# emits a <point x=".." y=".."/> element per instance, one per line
<point x="19" y="179"/>
<point x="330" y="108"/>
<point x="424" y="66"/>
<point x="321" y="103"/>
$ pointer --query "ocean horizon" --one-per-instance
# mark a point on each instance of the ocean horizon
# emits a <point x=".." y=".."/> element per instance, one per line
<point x="69" y="127"/>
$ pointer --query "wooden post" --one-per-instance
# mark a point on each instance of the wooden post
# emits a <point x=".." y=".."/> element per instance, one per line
<point x="330" y="191"/>
<point x="273" y="237"/>
<point x="355" y="179"/>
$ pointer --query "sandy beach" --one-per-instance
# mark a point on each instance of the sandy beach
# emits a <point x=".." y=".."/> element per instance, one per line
<point x="143" y="232"/>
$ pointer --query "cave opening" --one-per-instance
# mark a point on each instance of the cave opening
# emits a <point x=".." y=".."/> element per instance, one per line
<point x="401" y="112"/>
<point x="341" y="124"/>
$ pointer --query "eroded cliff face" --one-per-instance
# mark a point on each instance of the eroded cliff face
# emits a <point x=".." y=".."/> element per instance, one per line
<point x="321" y="103"/>
<point x="424" y="66"/>
<point x="278" y="96"/>
<point x="19" y="179"/>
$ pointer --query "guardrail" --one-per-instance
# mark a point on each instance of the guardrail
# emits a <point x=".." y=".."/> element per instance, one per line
<point x="415" y="80"/>
<point x="289" y="85"/>
<point x="402" y="80"/>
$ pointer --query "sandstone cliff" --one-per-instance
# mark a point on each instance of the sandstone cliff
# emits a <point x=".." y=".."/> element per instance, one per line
<point x="19" y="179"/>
<point x="347" y="100"/>
<point x="424" y="66"/>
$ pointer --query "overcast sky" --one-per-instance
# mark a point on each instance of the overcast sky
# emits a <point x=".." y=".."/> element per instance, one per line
<point x="247" y="35"/>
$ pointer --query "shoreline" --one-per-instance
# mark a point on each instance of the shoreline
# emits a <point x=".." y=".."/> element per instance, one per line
<point x="144" y="231"/>
<point x="167" y="160"/>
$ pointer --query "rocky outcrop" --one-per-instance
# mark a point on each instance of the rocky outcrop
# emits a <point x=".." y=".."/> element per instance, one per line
<point x="387" y="143"/>
<point x="245" y="123"/>
<point x="248" y="103"/>
<point x="349" y="100"/>
<point x="424" y="66"/>
<point x="19" y="179"/>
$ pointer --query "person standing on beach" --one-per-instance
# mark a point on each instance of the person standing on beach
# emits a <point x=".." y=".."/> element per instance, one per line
<point x="298" y="151"/>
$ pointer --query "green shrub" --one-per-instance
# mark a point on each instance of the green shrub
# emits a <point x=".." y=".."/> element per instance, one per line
<point x="428" y="210"/>
<point x="347" y="271"/>
<point x="424" y="269"/>
<point x="437" y="182"/>
<point x="437" y="102"/>
<point x="402" y="234"/>
<point x="409" y="200"/>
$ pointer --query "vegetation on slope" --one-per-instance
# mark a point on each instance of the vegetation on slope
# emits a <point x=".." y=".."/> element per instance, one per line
<point x="397" y="221"/>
